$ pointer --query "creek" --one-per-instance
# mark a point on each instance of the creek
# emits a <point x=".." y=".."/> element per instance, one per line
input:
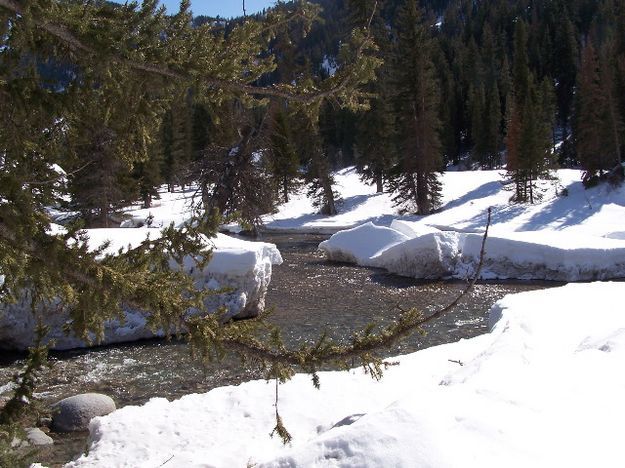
<point x="308" y="295"/>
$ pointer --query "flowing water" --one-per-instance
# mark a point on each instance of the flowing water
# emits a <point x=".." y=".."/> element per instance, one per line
<point x="309" y="296"/>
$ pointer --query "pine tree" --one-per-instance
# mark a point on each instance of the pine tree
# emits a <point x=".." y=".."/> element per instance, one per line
<point x="318" y="172"/>
<point x="492" y="128"/>
<point x="180" y="152"/>
<point x="528" y="142"/>
<point x="282" y="159"/>
<point x="374" y="127"/>
<point x="415" y="91"/>
<point x="599" y="125"/>
<point x="133" y="62"/>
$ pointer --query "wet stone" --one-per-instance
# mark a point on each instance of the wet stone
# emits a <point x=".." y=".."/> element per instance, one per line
<point x="74" y="413"/>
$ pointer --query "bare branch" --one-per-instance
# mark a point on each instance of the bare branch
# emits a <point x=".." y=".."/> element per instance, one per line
<point x="409" y="322"/>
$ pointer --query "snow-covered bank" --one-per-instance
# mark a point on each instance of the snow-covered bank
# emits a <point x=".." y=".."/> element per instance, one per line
<point x="570" y="234"/>
<point x="564" y="206"/>
<point x="433" y="254"/>
<point x="244" y="268"/>
<point x="543" y="389"/>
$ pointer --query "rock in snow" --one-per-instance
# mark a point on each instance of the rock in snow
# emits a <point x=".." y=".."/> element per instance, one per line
<point x="544" y="388"/>
<point x="74" y="413"/>
<point x="243" y="267"/>
<point x="432" y="254"/>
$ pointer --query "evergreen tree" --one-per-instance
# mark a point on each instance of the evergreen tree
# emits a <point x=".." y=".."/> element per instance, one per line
<point x="415" y="90"/>
<point x="529" y="131"/>
<point x="179" y="156"/>
<point x="492" y="128"/>
<point x="318" y="170"/>
<point x="599" y="125"/>
<point x="148" y="175"/>
<point x="133" y="61"/>
<point x="232" y="179"/>
<point x="374" y="144"/>
<point x="282" y="159"/>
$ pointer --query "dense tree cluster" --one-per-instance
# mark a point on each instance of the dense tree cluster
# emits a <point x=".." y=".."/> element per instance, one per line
<point x="527" y="85"/>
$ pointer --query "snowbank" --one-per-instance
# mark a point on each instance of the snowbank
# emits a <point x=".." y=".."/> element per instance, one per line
<point x="242" y="267"/>
<point x="433" y="254"/>
<point x="361" y="243"/>
<point x="543" y="389"/>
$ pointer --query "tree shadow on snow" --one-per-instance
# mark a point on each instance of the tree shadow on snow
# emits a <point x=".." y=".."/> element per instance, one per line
<point x="573" y="209"/>
<point x="500" y="214"/>
<point x="486" y="190"/>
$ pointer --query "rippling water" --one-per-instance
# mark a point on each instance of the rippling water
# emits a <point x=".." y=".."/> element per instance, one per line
<point x="309" y="295"/>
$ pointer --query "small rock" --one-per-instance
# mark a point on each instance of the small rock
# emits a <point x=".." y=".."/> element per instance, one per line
<point x="44" y="422"/>
<point x="348" y="420"/>
<point x="18" y="443"/>
<point x="74" y="413"/>
<point x="37" y="437"/>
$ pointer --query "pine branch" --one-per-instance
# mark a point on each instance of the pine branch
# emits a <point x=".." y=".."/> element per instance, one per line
<point x="76" y="45"/>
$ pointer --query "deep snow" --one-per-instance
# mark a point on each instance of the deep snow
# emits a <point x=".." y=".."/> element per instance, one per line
<point x="573" y="237"/>
<point x="543" y="389"/>
<point x="240" y="268"/>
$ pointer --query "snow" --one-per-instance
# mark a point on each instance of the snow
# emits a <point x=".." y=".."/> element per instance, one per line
<point x="240" y="267"/>
<point x="543" y="389"/>
<point x="466" y="198"/>
<point x="361" y="243"/>
<point x="431" y="254"/>
<point x="577" y="237"/>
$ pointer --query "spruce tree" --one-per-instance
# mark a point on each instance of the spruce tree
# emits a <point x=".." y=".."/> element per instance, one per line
<point x="282" y="158"/>
<point x="416" y="95"/>
<point x="528" y="143"/>
<point x="599" y="125"/>
<point x="374" y="139"/>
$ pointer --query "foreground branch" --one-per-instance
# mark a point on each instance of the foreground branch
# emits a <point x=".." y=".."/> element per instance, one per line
<point x="77" y="45"/>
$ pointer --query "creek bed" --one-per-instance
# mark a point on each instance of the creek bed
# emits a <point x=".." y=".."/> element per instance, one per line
<point x="309" y="295"/>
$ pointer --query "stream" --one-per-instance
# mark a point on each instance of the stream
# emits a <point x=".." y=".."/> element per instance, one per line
<point x="308" y="295"/>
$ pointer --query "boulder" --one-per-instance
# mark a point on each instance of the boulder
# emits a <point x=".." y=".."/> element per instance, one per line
<point x="74" y="413"/>
<point x="37" y="437"/>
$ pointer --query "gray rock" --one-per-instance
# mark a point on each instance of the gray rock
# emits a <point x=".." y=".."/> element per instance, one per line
<point x="74" y="413"/>
<point x="37" y="437"/>
<point x="348" y="420"/>
<point x="18" y="443"/>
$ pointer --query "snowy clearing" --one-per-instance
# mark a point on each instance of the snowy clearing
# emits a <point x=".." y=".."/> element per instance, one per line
<point x="543" y="389"/>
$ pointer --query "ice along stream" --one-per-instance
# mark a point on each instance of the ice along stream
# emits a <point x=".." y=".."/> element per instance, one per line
<point x="309" y="295"/>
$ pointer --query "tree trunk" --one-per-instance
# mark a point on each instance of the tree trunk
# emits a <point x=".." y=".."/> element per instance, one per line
<point x="423" y="198"/>
<point x="285" y="189"/>
<point x="328" y="194"/>
<point x="379" y="183"/>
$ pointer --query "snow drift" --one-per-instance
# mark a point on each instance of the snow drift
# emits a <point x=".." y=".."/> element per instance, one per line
<point x="434" y="254"/>
<point x="525" y="394"/>
<point x="243" y="268"/>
